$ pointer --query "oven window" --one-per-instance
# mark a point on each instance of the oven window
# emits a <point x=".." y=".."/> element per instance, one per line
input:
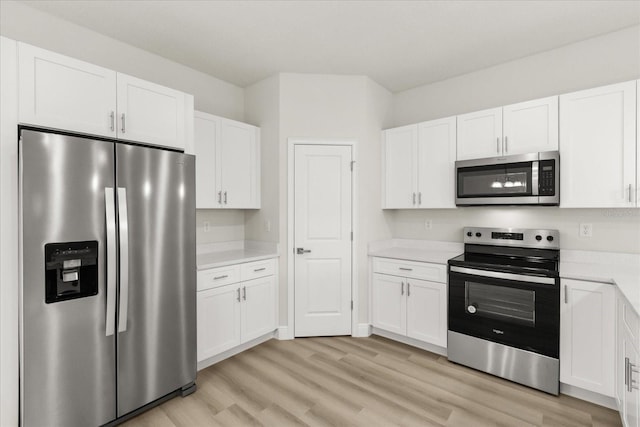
<point x="510" y="305"/>
<point x="500" y="180"/>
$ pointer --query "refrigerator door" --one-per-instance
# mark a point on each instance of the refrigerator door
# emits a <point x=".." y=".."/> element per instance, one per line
<point x="157" y="332"/>
<point x="68" y="362"/>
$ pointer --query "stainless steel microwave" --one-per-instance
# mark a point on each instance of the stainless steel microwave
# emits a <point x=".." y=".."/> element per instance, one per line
<point x="525" y="179"/>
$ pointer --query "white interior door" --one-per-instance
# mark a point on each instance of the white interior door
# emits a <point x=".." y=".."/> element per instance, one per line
<point x="322" y="235"/>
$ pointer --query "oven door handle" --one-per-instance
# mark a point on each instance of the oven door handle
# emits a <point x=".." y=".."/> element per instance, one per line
<point x="506" y="276"/>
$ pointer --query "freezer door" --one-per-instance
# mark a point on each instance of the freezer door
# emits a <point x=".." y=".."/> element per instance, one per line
<point x="157" y="332"/>
<point x="68" y="375"/>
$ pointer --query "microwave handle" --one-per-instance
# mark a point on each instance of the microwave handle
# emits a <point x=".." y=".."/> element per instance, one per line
<point x="534" y="177"/>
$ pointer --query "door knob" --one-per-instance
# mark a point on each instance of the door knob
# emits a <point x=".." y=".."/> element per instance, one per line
<point x="301" y="251"/>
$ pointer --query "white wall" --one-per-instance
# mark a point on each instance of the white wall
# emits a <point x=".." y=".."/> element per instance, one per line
<point x="23" y="23"/>
<point x="225" y="225"/>
<point x="598" y="61"/>
<point x="341" y="107"/>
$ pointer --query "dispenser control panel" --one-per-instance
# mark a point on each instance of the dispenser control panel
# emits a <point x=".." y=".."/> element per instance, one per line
<point x="71" y="270"/>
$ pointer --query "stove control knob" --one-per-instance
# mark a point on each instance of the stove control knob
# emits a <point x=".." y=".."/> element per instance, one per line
<point x="478" y="234"/>
<point x="472" y="309"/>
<point x="550" y="238"/>
<point x="538" y="237"/>
<point x="469" y="234"/>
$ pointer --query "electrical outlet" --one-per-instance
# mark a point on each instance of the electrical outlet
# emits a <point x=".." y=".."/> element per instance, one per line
<point x="267" y="226"/>
<point x="586" y="230"/>
<point x="207" y="227"/>
<point x="427" y="224"/>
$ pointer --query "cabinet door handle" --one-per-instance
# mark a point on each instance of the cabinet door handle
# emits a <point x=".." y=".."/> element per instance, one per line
<point x="244" y="293"/>
<point x="405" y="269"/>
<point x="123" y="123"/>
<point x="505" y="145"/>
<point x="112" y="116"/>
<point x="414" y="198"/>
<point x="629" y="191"/>
<point x="401" y="288"/>
<point x="219" y="197"/>
<point x="238" y="294"/>
<point x="633" y="384"/>
<point x="419" y="198"/>
<point x="626" y="372"/>
<point x="225" y="197"/>
<point x="566" y="295"/>
<point x="408" y="289"/>
<point x="221" y="277"/>
<point x="260" y="269"/>
<point x="498" y="145"/>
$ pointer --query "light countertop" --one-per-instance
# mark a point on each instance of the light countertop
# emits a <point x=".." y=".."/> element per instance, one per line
<point x="228" y="253"/>
<point x="620" y="269"/>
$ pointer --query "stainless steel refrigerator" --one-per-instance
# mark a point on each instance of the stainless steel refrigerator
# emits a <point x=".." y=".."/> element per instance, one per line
<point x="108" y="286"/>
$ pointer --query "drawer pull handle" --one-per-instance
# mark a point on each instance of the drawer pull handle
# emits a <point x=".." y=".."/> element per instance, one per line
<point x="260" y="269"/>
<point x="406" y="269"/>
<point x="221" y="277"/>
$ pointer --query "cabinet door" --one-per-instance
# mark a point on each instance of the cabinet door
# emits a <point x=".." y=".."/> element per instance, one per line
<point x="218" y="320"/>
<point x="389" y="303"/>
<point x="206" y="135"/>
<point x="150" y="113"/>
<point x="530" y="127"/>
<point x="258" y="307"/>
<point x="631" y="405"/>
<point x="436" y="163"/>
<point x="238" y="165"/>
<point x="427" y="311"/>
<point x="587" y="336"/>
<point x="598" y="147"/>
<point x="480" y="134"/>
<point x="400" y="168"/>
<point x="64" y="93"/>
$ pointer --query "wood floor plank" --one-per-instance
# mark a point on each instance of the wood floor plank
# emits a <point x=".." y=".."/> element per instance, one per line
<point x="334" y="381"/>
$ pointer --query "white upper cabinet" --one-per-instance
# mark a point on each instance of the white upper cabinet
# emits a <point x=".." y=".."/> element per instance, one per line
<point x="227" y="163"/>
<point x="59" y="92"/>
<point x="400" y="164"/>
<point x="598" y="147"/>
<point x="436" y="163"/>
<point x="419" y="165"/>
<point x="239" y="165"/>
<point x="530" y="127"/>
<point x="480" y="134"/>
<point x="526" y="127"/>
<point x="151" y="113"/>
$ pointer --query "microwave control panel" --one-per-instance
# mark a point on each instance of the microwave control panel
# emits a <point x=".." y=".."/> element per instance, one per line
<point x="547" y="178"/>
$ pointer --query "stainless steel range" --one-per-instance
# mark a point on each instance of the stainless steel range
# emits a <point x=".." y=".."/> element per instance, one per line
<point x="504" y="305"/>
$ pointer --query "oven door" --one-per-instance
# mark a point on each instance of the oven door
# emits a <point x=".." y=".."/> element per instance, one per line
<point x="512" y="309"/>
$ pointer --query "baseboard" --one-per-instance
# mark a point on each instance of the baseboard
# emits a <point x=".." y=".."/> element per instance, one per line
<point x="283" y="333"/>
<point x="589" y="396"/>
<point x="410" y="341"/>
<point x="362" y="330"/>
<point x="233" y="351"/>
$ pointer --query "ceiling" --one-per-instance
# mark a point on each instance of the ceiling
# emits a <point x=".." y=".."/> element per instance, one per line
<point x="399" y="44"/>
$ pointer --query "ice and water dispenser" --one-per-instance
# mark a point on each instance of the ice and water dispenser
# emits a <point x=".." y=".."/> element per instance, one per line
<point x="71" y="270"/>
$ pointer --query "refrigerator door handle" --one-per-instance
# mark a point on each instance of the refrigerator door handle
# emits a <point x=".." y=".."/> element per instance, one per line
<point x="110" y="213"/>
<point x="124" y="259"/>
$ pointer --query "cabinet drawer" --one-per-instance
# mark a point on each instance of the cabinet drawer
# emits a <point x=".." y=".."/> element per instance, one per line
<point x="215" y="277"/>
<point x="416" y="270"/>
<point x="631" y="322"/>
<point x="253" y="270"/>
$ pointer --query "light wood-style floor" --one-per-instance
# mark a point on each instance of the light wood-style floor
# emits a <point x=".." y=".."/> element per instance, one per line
<point x="344" y="381"/>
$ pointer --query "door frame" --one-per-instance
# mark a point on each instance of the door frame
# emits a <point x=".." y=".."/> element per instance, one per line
<point x="292" y="142"/>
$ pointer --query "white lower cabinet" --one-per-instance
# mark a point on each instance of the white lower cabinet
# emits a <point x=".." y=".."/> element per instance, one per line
<point x="408" y="305"/>
<point x="628" y="363"/>
<point x="587" y="336"/>
<point x="231" y="314"/>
